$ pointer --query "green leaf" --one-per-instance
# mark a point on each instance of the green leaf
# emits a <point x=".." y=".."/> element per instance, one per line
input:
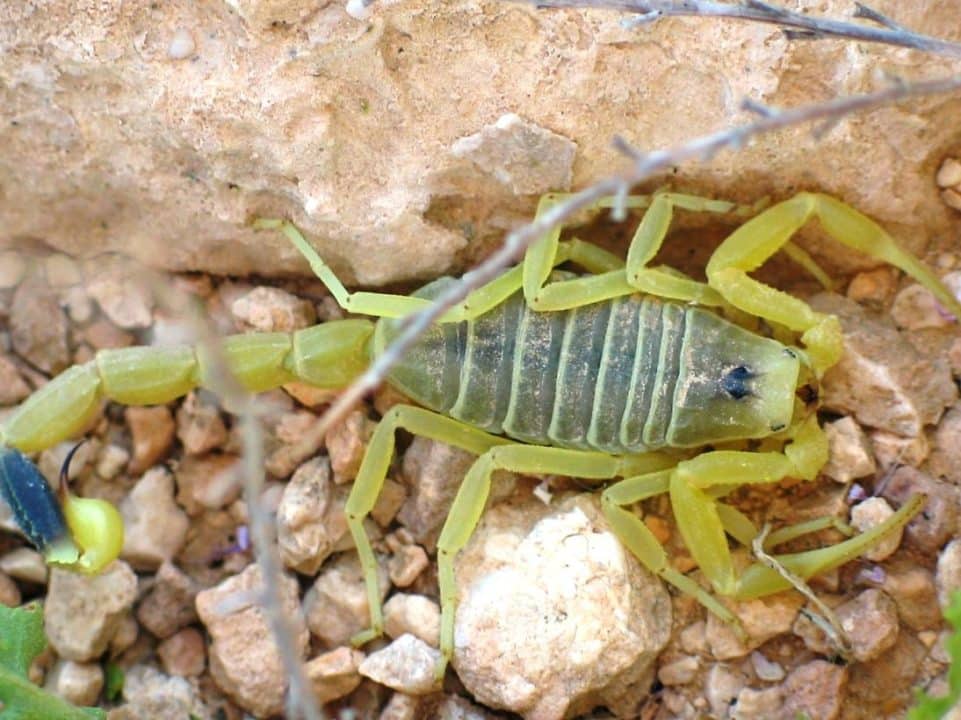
<point x="21" y="640"/>
<point x="113" y="685"/>
<point x="932" y="708"/>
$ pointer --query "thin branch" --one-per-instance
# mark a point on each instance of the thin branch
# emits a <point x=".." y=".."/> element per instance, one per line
<point x="644" y="165"/>
<point x="300" y="698"/>
<point x="827" y="621"/>
<point x="795" y="25"/>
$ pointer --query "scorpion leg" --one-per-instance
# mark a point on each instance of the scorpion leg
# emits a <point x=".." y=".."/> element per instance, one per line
<point x="370" y="481"/>
<point x="759" y="238"/>
<point x="472" y="496"/>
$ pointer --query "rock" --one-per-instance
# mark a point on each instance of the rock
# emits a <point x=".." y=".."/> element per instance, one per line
<point x="297" y="433"/>
<point x="156" y="527"/>
<point x="77" y="683"/>
<point x="946" y="455"/>
<point x="407" y="562"/>
<point x="183" y="654"/>
<point x="82" y="613"/>
<point x="869" y="622"/>
<point x="762" y="619"/>
<point x="303" y="535"/>
<point x="149" y="693"/>
<point x="454" y="707"/>
<point x="199" y="425"/>
<point x="722" y="685"/>
<point x="209" y="482"/>
<point x="334" y="674"/>
<point x="891" y="450"/>
<point x="526" y="158"/>
<point x="336" y="606"/>
<point x="127" y="634"/>
<point x="914" y="593"/>
<point x="766" y="669"/>
<point x="815" y="689"/>
<point x="881" y="379"/>
<point x="680" y="671"/>
<point x="347" y="442"/>
<point x="873" y="287"/>
<point x="9" y="592"/>
<point x="948" y="576"/>
<point x="152" y="434"/>
<point x="13" y="267"/>
<point x="169" y="604"/>
<point x="270" y="309"/>
<point x="392" y="497"/>
<point x="112" y="461"/>
<point x="537" y="585"/>
<point x="408" y="664"/>
<point x="758" y="704"/>
<point x="888" y="682"/>
<point x="38" y="327"/>
<point x="412" y="614"/>
<point x="915" y="307"/>
<point x="851" y="457"/>
<point x="871" y="513"/>
<point x="118" y="287"/>
<point x="401" y="707"/>
<point x="938" y="520"/>
<point x="25" y="564"/>
<point x="433" y="472"/>
<point x="244" y="660"/>
<point x="13" y="388"/>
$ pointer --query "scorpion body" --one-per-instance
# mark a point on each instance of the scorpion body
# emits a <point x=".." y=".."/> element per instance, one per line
<point x="614" y="376"/>
<point x="621" y="376"/>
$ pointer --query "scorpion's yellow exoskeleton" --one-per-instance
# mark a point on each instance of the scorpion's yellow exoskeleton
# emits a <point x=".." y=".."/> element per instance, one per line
<point x="617" y="375"/>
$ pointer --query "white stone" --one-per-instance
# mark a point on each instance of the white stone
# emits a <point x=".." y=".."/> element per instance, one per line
<point x="850" y="454"/>
<point x="408" y="664"/>
<point x="871" y="513"/>
<point x="413" y="614"/>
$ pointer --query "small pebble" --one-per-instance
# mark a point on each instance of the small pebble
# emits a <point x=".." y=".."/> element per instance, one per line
<point x="334" y="674"/>
<point x="78" y="683"/>
<point x="850" y="454"/>
<point x="949" y="174"/>
<point x="948" y="575"/>
<point x="871" y="513"/>
<point x="183" y="653"/>
<point x="680" y="671"/>
<point x="412" y="614"/>
<point x="9" y="591"/>
<point x="766" y="669"/>
<point x="24" y="564"/>
<point x="408" y="664"/>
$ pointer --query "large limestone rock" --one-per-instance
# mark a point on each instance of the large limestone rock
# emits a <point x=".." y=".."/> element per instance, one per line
<point x="409" y="129"/>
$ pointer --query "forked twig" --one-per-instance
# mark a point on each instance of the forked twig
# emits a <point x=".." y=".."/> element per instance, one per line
<point x="795" y="25"/>
<point x="643" y="166"/>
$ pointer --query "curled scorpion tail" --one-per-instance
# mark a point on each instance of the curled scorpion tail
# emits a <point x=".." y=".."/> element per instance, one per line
<point x="81" y="534"/>
<point x="36" y="508"/>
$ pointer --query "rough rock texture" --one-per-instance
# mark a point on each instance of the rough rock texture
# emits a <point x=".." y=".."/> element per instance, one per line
<point x="244" y="660"/>
<point x="555" y="616"/>
<point x="371" y="132"/>
<point x="82" y="613"/>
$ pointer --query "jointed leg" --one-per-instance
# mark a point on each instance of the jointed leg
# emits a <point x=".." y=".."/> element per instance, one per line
<point x="759" y="238"/>
<point x="472" y="496"/>
<point x="370" y="481"/>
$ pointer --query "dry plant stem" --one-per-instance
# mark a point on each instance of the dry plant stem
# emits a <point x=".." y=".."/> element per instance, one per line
<point x="795" y="25"/>
<point x="300" y="698"/>
<point x="827" y="620"/>
<point x="644" y="165"/>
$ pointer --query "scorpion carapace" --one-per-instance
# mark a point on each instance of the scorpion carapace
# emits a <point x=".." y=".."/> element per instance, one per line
<point x="617" y="375"/>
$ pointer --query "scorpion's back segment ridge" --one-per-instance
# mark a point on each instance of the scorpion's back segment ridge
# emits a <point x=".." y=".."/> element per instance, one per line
<point x="622" y="376"/>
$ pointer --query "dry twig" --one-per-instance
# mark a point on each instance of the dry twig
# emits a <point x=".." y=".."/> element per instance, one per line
<point x="796" y="26"/>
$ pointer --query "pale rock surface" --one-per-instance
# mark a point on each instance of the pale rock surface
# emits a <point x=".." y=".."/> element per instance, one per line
<point x="407" y="664"/>
<point x="881" y="378"/>
<point x="303" y="535"/>
<point x="184" y="653"/>
<point x="948" y="575"/>
<point x="270" y="309"/>
<point x="761" y="704"/>
<point x="722" y="684"/>
<point x="946" y="454"/>
<point x="869" y="622"/>
<point x="244" y="660"/>
<point x="401" y="707"/>
<point x="871" y="513"/>
<point x="336" y="606"/>
<point x="152" y="432"/>
<point x="13" y="388"/>
<point x="762" y="619"/>
<point x="334" y="674"/>
<point x="24" y="563"/>
<point x="156" y="527"/>
<point x="414" y="614"/>
<point x="851" y="455"/>
<point x="78" y="683"/>
<point x="347" y="442"/>
<point x="915" y="307"/>
<point x="555" y="616"/>
<point x="38" y="327"/>
<point x="938" y="522"/>
<point x="82" y="613"/>
<point x="815" y="689"/>
<point x="148" y="693"/>
<point x="199" y="425"/>
<point x="352" y="119"/>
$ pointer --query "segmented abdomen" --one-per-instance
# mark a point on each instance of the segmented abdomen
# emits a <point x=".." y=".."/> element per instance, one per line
<point x="597" y="377"/>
